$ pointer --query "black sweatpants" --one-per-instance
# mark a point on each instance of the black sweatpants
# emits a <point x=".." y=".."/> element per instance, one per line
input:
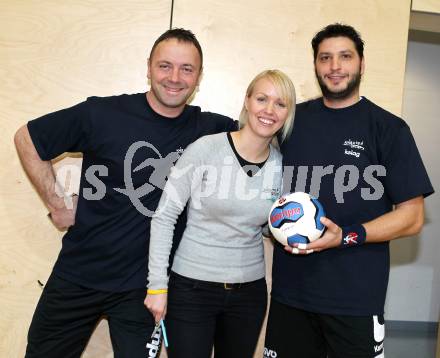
<point x="297" y="333"/>
<point x="204" y="314"/>
<point x="67" y="314"/>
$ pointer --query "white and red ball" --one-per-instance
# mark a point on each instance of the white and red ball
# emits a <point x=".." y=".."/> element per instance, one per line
<point x="295" y="218"/>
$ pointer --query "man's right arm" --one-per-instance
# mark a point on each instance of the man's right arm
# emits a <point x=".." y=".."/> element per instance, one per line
<point x="42" y="176"/>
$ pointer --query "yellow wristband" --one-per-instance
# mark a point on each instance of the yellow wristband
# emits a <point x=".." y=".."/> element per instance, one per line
<point x="157" y="292"/>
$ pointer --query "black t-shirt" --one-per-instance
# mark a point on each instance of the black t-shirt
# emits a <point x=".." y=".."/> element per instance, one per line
<point x="353" y="147"/>
<point x="128" y="150"/>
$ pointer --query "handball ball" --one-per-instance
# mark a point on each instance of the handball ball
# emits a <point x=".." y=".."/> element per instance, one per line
<point x="295" y="218"/>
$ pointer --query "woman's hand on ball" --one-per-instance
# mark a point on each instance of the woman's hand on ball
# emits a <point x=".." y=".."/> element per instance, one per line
<point x="332" y="238"/>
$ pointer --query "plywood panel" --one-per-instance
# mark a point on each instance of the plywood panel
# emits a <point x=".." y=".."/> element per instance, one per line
<point x="244" y="37"/>
<point x="424" y="21"/>
<point x="426" y="6"/>
<point x="54" y="54"/>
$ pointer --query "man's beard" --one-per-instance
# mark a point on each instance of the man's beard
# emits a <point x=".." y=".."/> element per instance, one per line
<point x="352" y="86"/>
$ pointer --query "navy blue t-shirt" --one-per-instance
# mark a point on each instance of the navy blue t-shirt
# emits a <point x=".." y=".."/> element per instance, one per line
<point x="359" y="161"/>
<point x="128" y="150"/>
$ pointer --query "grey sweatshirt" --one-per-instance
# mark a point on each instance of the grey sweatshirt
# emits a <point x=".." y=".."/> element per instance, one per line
<point x="222" y="241"/>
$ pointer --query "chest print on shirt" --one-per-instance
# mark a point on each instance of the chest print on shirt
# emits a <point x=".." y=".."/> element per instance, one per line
<point x="271" y="194"/>
<point x="353" y="147"/>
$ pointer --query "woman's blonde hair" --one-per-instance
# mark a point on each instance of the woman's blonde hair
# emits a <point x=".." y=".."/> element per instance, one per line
<point x="286" y="90"/>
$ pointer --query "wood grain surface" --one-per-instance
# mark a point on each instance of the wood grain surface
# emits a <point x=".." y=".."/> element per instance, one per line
<point x="432" y="6"/>
<point x="248" y="36"/>
<point x="54" y="54"/>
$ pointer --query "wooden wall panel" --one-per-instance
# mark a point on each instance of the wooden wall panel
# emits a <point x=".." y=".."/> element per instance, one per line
<point x="424" y="21"/>
<point x="54" y="54"/>
<point x="247" y="36"/>
<point x="426" y="6"/>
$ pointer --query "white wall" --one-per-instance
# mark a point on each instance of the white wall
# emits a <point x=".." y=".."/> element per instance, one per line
<point x="414" y="288"/>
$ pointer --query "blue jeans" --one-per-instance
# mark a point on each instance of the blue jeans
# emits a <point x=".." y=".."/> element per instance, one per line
<point x="204" y="314"/>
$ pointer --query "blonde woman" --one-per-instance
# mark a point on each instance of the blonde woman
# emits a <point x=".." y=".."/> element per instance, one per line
<point x="217" y="290"/>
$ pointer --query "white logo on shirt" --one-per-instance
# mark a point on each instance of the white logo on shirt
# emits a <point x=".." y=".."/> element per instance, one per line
<point x="355" y="147"/>
<point x="272" y="193"/>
